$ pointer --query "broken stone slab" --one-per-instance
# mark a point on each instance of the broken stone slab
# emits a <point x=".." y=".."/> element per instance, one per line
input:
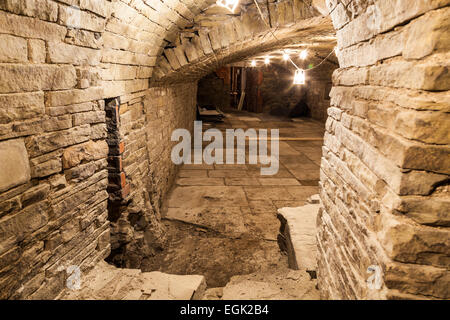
<point x="314" y="199"/>
<point x="278" y="284"/>
<point x="162" y="286"/>
<point x="106" y="282"/>
<point x="213" y="294"/>
<point x="298" y="236"/>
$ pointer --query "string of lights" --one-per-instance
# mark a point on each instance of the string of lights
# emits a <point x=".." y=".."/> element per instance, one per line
<point x="299" y="77"/>
<point x="303" y="54"/>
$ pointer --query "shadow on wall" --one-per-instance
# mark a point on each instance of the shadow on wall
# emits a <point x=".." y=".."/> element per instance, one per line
<point x="280" y="96"/>
<point x="213" y="90"/>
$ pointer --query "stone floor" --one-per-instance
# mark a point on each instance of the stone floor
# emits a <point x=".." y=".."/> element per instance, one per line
<point x="222" y="219"/>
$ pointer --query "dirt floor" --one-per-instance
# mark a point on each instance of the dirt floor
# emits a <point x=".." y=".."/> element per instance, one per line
<point x="222" y="219"/>
<point x="197" y="250"/>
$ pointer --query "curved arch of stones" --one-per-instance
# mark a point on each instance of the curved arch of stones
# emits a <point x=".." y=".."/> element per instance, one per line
<point x="238" y="38"/>
<point x="139" y="37"/>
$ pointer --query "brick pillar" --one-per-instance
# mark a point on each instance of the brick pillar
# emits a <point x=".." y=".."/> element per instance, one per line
<point x="118" y="188"/>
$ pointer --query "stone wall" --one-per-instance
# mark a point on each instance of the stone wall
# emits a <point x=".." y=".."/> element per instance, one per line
<point x="318" y="87"/>
<point x="385" y="170"/>
<point x="214" y="91"/>
<point x="146" y="126"/>
<point x="280" y="97"/>
<point x="59" y="62"/>
<point x="318" y="98"/>
<point x="53" y="151"/>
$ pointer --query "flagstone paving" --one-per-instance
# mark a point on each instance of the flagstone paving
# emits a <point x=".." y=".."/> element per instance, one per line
<point x="222" y="219"/>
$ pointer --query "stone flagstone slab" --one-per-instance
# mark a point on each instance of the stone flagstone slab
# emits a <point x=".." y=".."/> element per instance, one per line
<point x="298" y="236"/>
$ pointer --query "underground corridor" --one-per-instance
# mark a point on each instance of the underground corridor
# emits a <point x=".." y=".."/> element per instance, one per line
<point x="224" y="150"/>
<point x="222" y="219"/>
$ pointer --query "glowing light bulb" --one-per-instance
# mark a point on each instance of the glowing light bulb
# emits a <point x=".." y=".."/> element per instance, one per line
<point x="336" y="50"/>
<point x="299" y="77"/>
<point x="229" y="4"/>
<point x="253" y="64"/>
<point x="285" y="56"/>
<point x="304" y="54"/>
<point x="267" y="60"/>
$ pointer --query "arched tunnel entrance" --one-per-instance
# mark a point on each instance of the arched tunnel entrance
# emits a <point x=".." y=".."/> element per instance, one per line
<point x="92" y="91"/>
<point x="221" y="218"/>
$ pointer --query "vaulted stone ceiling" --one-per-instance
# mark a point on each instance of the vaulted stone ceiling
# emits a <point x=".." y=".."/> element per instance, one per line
<point x="216" y="37"/>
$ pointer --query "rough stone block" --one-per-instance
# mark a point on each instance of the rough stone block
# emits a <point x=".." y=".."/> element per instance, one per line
<point x="30" y="27"/>
<point x="36" y="51"/>
<point x="48" y="142"/>
<point x="24" y="222"/>
<point x="21" y="106"/>
<point x="88" y="117"/>
<point x="70" y="97"/>
<point x="26" y="78"/>
<point x="13" y="49"/>
<point x="408" y="243"/>
<point x="298" y="236"/>
<point x="66" y="53"/>
<point x="77" y="18"/>
<point x="88" y="151"/>
<point x="14" y="164"/>
<point x="420" y="280"/>
<point x="433" y="30"/>
<point x="46" y="168"/>
<point x="42" y="9"/>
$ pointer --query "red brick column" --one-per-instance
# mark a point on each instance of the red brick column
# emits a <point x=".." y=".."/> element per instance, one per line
<point x="118" y="187"/>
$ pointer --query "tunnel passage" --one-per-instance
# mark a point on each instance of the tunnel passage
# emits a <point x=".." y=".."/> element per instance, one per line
<point x="221" y="218"/>
<point x="384" y="170"/>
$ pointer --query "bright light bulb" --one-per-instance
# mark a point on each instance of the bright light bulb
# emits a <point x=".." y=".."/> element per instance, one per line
<point x="299" y="77"/>
<point x="229" y="4"/>
<point x="336" y="50"/>
<point x="285" y="57"/>
<point x="253" y="64"/>
<point x="267" y="60"/>
<point x="304" y="54"/>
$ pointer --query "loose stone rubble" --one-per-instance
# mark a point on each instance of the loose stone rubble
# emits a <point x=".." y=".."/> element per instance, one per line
<point x="278" y="284"/>
<point x="106" y="282"/>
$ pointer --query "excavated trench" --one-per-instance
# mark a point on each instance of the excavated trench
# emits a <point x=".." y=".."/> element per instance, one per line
<point x="219" y="257"/>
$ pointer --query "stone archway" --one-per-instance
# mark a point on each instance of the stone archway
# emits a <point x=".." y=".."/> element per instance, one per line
<point x="134" y="29"/>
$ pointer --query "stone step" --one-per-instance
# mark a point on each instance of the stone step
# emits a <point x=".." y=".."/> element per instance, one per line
<point x="298" y="236"/>
<point x="106" y="282"/>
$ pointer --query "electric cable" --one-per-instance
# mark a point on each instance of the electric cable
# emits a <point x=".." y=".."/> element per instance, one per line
<point x="284" y="51"/>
